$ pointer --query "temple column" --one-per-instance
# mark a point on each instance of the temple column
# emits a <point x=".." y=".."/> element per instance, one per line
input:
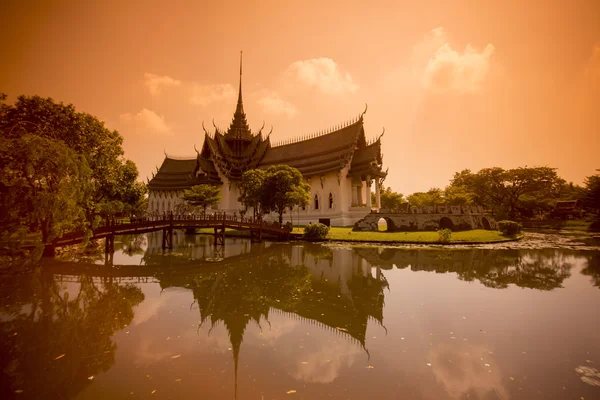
<point x="354" y="189"/>
<point x="377" y="194"/>
<point x="368" y="194"/>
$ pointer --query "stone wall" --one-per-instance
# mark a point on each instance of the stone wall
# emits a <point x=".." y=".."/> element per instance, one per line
<point x="429" y="218"/>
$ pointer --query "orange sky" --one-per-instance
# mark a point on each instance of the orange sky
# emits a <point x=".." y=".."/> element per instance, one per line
<point x="455" y="84"/>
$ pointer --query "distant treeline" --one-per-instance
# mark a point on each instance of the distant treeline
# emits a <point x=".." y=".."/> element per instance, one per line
<point x="524" y="192"/>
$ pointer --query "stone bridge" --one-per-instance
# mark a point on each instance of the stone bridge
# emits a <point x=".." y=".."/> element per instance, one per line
<point x="429" y="218"/>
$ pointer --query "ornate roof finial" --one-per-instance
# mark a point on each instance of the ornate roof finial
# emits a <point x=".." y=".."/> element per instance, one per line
<point x="240" y="106"/>
<point x="195" y="149"/>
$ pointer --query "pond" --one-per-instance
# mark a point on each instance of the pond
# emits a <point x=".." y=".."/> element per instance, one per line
<point x="303" y="320"/>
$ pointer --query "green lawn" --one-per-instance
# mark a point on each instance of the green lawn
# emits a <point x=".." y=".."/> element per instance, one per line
<point x="478" y="235"/>
<point x="346" y="234"/>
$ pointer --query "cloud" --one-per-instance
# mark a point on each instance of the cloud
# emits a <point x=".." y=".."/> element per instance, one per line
<point x="450" y="70"/>
<point x="272" y="103"/>
<point x="156" y="83"/>
<point x="203" y="95"/>
<point x="146" y="121"/>
<point x="471" y="369"/>
<point x="323" y="74"/>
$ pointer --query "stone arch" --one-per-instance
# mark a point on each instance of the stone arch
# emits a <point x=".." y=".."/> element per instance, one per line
<point x="486" y="224"/>
<point x="389" y="224"/>
<point x="446" y="223"/>
<point x="316" y="202"/>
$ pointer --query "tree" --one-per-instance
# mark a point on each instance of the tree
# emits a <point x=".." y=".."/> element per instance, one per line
<point x="251" y="191"/>
<point x="591" y="194"/>
<point x="43" y="186"/>
<point x="510" y="189"/>
<point x="112" y="177"/>
<point x="202" y="196"/>
<point x="389" y="199"/>
<point x="299" y="197"/>
<point x="283" y="186"/>
<point x="430" y="198"/>
<point x="457" y="196"/>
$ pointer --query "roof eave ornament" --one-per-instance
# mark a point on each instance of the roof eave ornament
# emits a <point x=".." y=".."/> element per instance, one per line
<point x="261" y="128"/>
<point x="366" y="108"/>
<point x="165" y="151"/>
<point x="195" y="149"/>
<point x="205" y="131"/>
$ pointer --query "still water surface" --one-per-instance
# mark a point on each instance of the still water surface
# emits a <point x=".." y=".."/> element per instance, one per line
<point x="309" y="321"/>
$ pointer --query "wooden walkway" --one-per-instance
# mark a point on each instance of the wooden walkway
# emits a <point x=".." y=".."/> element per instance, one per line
<point x="218" y="222"/>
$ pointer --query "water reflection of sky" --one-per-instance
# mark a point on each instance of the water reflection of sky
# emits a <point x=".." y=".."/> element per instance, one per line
<point x="326" y="322"/>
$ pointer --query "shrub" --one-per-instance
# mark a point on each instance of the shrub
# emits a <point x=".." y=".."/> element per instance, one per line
<point x="509" y="227"/>
<point x="445" y="235"/>
<point x="316" y="231"/>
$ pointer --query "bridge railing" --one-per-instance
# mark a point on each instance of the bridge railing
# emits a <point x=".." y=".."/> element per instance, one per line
<point x="178" y="218"/>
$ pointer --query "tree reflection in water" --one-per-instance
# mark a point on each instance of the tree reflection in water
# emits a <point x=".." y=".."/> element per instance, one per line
<point x="57" y="339"/>
<point x="592" y="268"/>
<point x="540" y="269"/>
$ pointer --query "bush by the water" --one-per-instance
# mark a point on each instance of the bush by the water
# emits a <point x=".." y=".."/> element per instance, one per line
<point x="509" y="227"/>
<point x="445" y="235"/>
<point x="316" y="231"/>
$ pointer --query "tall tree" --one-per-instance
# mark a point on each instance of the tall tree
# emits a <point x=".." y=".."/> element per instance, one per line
<point x="511" y="188"/>
<point x="43" y="186"/>
<point x="389" y="199"/>
<point x="251" y="191"/>
<point x="430" y="198"/>
<point x="202" y="196"/>
<point x="591" y="193"/>
<point x="281" y="187"/>
<point x="113" y="177"/>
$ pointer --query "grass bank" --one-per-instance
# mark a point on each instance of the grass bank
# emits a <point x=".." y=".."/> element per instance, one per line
<point x="474" y="236"/>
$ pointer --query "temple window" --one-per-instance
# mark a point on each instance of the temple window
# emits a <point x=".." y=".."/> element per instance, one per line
<point x="316" y="201"/>
<point x="330" y="200"/>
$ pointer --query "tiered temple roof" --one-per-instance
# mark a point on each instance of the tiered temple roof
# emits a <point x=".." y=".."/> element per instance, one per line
<point x="229" y="154"/>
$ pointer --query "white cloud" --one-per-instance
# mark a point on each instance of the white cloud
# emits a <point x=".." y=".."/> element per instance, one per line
<point x="471" y="369"/>
<point x="146" y="121"/>
<point x="156" y="83"/>
<point x="323" y="74"/>
<point x="272" y="103"/>
<point x="451" y="70"/>
<point x="203" y="95"/>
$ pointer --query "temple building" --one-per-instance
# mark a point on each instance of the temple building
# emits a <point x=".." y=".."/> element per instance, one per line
<point x="339" y="164"/>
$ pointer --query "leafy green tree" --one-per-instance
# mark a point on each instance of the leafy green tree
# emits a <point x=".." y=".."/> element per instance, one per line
<point x="507" y="189"/>
<point x="202" y="196"/>
<point x="251" y="191"/>
<point x="389" y="199"/>
<point x="298" y="197"/>
<point x="283" y="186"/>
<point x="43" y="185"/>
<point x="457" y="196"/>
<point x="591" y="194"/>
<point x="430" y="198"/>
<point x="112" y="177"/>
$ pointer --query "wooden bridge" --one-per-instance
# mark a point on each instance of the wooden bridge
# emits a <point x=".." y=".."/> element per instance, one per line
<point x="167" y="223"/>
